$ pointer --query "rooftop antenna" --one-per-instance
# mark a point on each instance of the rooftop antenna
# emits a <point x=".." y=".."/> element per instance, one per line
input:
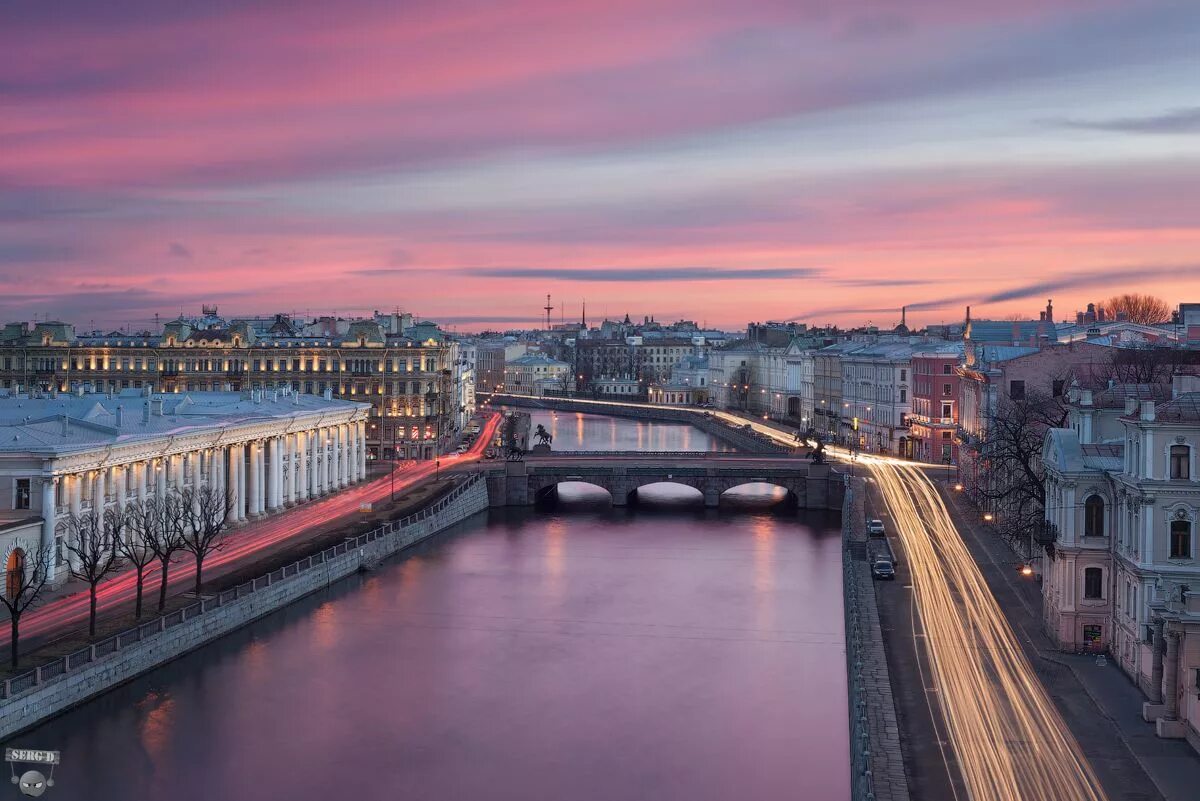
<point x="548" y="309"/>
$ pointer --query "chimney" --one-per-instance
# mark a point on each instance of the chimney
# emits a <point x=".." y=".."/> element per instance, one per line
<point x="156" y="407"/>
<point x="1078" y="318"/>
<point x="120" y="415"/>
<point x="328" y="393"/>
<point x="66" y="425"/>
<point x="1147" y="411"/>
<point x="145" y="412"/>
<point x="1049" y="310"/>
<point x="1131" y="405"/>
<point x="1085" y="397"/>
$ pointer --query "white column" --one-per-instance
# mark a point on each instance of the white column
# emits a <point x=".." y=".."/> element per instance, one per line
<point x="314" y="466"/>
<point x="229" y="455"/>
<point x="326" y="470"/>
<point x="115" y="486"/>
<point x="261" y="468"/>
<point x="292" y="461"/>
<point x="343" y="455"/>
<point x="362" y="450"/>
<point x="239" y="458"/>
<point x="49" y="521"/>
<point x="98" y="492"/>
<point x="255" y="482"/>
<point x="302" y="466"/>
<point x="75" y="488"/>
<point x="140" y="477"/>
<point x="160" y="480"/>
<point x="273" y="474"/>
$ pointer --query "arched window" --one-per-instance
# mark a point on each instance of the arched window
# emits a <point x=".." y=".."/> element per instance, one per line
<point x="14" y="574"/>
<point x="1093" y="516"/>
<point x="1181" y="539"/>
<point x="1093" y="582"/>
<point x="1180" y="467"/>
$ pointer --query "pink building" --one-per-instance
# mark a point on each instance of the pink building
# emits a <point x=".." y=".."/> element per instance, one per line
<point x="935" y="400"/>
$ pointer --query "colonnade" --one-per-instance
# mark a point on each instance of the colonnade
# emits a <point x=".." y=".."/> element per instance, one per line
<point x="258" y="476"/>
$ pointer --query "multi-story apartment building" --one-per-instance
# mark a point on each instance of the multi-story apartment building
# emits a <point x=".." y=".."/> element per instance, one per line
<point x="876" y="396"/>
<point x="935" y="391"/>
<point x="1124" y="560"/>
<point x="415" y="386"/>
<point x="537" y="374"/>
<point x="828" y="419"/>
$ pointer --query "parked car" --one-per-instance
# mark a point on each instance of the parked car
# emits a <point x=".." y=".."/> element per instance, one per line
<point x="463" y="448"/>
<point x="875" y="528"/>
<point x="883" y="569"/>
<point x="490" y="453"/>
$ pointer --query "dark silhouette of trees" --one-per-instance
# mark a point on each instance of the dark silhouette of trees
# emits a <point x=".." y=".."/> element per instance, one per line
<point x="206" y="512"/>
<point x="170" y="539"/>
<point x="23" y="588"/>
<point x="139" y="547"/>
<point x="1138" y="308"/>
<point x="90" y="538"/>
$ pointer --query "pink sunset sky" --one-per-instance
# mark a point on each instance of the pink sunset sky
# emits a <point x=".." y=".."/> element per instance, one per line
<point x="827" y="161"/>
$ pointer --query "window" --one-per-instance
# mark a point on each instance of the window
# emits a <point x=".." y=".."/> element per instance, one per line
<point x="903" y="395"/>
<point x="1058" y="387"/>
<point x="1179" y="461"/>
<point x="903" y="374"/>
<point x="1016" y="390"/>
<point x="21" y="494"/>
<point x="1181" y="539"/>
<point x="947" y="369"/>
<point x="945" y="390"/>
<point x="1093" y="516"/>
<point x="1093" y="582"/>
<point x="947" y="410"/>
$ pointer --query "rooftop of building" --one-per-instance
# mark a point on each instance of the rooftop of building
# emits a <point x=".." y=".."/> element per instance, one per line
<point x="1184" y="408"/>
<point x="537" y="359"/>
<point x="1114" y="397"/>
<point x="82" y="421"/>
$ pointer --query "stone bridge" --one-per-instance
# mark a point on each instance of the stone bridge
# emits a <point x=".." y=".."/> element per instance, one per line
<point x="524" y="483"/>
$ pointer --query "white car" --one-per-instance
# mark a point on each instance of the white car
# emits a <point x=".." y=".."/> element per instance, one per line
<point x="875" y="528"/>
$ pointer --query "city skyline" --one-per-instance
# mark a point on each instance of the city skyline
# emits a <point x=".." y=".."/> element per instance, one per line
<point x="702" y="160"/>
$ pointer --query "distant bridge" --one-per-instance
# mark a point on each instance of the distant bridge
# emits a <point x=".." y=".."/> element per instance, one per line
<point x="809" y="486"/>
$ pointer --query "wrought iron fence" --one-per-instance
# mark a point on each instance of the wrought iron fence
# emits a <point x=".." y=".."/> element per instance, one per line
<point x="25" y="682"/>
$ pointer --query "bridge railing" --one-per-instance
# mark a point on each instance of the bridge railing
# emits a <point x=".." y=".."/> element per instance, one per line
<point x="715" y="455"/>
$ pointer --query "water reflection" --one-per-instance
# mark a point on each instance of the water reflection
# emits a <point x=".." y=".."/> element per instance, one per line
<point x="574" y="431"/>
<point x="585" y="652"/>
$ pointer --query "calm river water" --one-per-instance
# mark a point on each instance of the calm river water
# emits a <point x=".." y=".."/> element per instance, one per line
<point x="579" y="652"/>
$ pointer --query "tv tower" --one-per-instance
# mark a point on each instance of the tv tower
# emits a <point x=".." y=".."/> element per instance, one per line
<point x="548" y="309"/>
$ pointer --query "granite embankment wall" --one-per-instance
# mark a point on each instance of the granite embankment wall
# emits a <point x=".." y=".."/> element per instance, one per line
<point x="741" y="439"/>
<point x="55" y="687"/>
<point x="876" y="761"/>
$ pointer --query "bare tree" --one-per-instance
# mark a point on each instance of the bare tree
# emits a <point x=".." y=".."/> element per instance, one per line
<point x="23" y="588"/>
<point x="206" y="512"/>
<point x="1150" y="365"/>
<point x="169" y="542"/>
<point x="1010" y="455"/>
<point x="93" y="552"/>
<point x="1138" y="308"/>
<point x="139" y="547"/>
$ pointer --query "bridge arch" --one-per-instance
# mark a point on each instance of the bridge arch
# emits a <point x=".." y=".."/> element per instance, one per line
<point x="574" y="488"/>
<point x="760" y="493"/>
<point x="671" y="492"/>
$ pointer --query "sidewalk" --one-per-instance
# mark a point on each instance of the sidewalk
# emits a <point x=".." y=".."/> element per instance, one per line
<point x="1100" y="704"/>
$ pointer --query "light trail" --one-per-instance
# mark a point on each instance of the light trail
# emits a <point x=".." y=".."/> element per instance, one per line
<point x="1010" y="740"/>
<point x="66" y="613"/>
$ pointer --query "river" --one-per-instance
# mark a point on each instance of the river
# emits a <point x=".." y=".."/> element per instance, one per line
<point x="578" y="652"/>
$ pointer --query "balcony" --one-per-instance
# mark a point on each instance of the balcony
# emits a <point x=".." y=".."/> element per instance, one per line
<point x="170" y="372"/>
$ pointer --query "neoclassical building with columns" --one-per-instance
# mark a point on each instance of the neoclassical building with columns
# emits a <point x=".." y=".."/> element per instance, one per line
<point x="72" y="453"/>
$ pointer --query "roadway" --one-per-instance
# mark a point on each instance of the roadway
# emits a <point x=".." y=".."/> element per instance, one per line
<point x="64" y="614"/>
<point x="1009" y="740"/>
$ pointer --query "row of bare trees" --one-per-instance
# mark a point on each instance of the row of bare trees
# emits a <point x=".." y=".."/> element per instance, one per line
<point x="135" y="535"/>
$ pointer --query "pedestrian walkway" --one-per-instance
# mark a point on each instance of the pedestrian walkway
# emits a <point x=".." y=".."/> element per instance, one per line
<point x="1101" y="705"/>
